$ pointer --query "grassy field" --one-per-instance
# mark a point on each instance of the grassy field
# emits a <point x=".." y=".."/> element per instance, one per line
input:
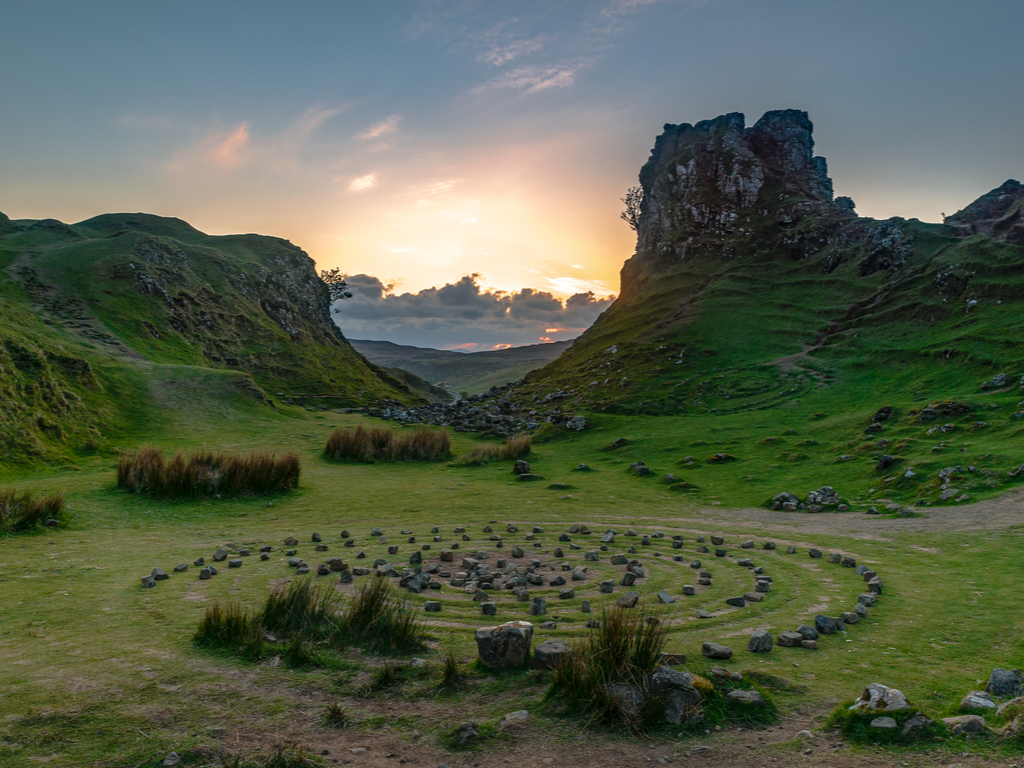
<point x="97" y="670"/>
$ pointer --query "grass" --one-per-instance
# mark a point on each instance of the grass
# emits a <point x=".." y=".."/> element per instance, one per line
<point x="22" y="511"/>
<point x="371" y="445"/>
<point x="856" y="726"/>
<point x="232" y="627"/>
<point x="512" y="449"/>
<point x="624" y="650"/>
<point x="302" y="608"/>
<point x="207" y="473"/>
<point x="379" y="620"/>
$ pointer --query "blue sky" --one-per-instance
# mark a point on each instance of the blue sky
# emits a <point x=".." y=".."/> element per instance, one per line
<point x="420" y="142"/>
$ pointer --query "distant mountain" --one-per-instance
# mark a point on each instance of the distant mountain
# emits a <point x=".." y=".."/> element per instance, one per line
<point x="471" y="372"/>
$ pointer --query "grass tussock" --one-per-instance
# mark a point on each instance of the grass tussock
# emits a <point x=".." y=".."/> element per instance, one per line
<point x="207" y="473"/>
<point x="313" y="620"/>
<point x="232" y="627"/>
<point x="335" y="716"/>
<point x="624" y="649"/>
<point x="370" y="445"/>
<point x="856" y="726"/>
<point x="451" y="675"/>
<point x="512" y="449"/>
<point x="379" y="620"/>
<point x="283" y="756"/>
<point x="24" y="510"/>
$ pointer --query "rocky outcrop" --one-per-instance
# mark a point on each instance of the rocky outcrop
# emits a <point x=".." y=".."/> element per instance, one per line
<point x="997" y="213"/>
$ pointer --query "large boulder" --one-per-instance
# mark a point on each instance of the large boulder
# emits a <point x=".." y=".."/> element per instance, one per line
<point x="760" y="642"/>
<point x="716" y="651"/>
<point x="881" y="698"/>
<point x="506" y="646"/>
<point x="977" y="700"/>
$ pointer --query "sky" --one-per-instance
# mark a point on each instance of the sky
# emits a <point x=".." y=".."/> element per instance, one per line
<point x="461" y="158"/>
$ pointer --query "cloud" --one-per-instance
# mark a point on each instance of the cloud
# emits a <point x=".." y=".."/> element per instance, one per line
<point x="501" y="54"/>
<point x="383" y="128"/>
<point x="462" y="313"/>
<point x="362" y="183"/>
<point x="227" y="151"/>
<point x="575" y="285"/>
<point x="534" y="79"/>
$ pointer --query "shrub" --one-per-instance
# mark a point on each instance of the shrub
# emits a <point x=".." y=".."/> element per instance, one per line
<point x="451" y="677"/>
<point x="624" y="649"/>
<point x="380" y="621"/>
<point x="232" y="627"/>
<point x="334" y="716"/>
<point x="512" y="449"/>
<point x="206" y="473"/>
<point x="370" y="445"/>
<point x="23" y="510"/>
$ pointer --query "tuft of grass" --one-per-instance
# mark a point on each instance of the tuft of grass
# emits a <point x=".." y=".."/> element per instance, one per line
<point x="512" y="449"/>
<point x="335" y="716"/>
<point x="387" y="675"/>
<point x="624" y="649"/>
<point x="207" y="473"/>
<point x="231" y="626"/>
<point x="302" y="607"/>
<point x="370" y="445"/>
<point x="451" y="676"/>
<point x="24" y="511"/>
<point x="379" y="620"/>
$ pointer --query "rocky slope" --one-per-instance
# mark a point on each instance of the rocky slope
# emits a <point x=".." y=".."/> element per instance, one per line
<point x="85" y="305"/>
<point x="752" y="286"/>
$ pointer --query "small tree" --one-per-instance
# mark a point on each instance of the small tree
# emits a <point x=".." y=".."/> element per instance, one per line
<point x="634" y="199"/>
<point x="336" y="284"/>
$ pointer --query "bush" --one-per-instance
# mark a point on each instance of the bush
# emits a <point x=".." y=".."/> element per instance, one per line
<point x="512" y="449"/>
<point x="451" y="677"/>
<point x="23" y="511"/>
<point x="206" y="473"/>
<point x="624" y="649"/>
<point x="370" y="445"/>
<point x="380" y="621"/>
<point x="232" y="627"/>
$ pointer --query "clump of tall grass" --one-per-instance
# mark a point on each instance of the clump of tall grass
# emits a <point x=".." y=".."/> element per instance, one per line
<point x="512" y="449"/>
<point x="370" y="445"/>
<point x="302" y="607"/>
<point x="624" y="649"/>
<point x="379" y="620"/>
<point x="232" y="627"/>
<point x="207" y="473"/>
<point x="451" y="675"/>
<point x="23" y="510"/>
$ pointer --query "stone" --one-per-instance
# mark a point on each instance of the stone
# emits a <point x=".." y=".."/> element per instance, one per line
<point x="566" y="594"/>
<point x="488" y="609"/>
<point x="965" y="724"/>
<point x="199" y="562"/>
<point x="592" y="556"/>
<point x="628" y="579"/>
<point x="1004" y="683"/>
<point x="747" y="545"/>
<point x="514" y="721"/>
<point x="717" y="541"/>
<point x="814" y="553"/>
<point x="549" y="625"/>
<point x="220" y="555"/>
<point x="790" y="639"/>
<point x="721" y="552"/>
<point x="716" y="651"/>
<point x="848" y="562"/>
<point x="702" y="614"/>
<point x="538" y="607"/>
<point x="665" y="598"/>
<point x="234" y="563"/>
<point x="825" y="625"/>
<point x="629" y="600"/>
<point x="466" y="733"/>
<point x="736" y="602"/>
<point x="808" y="633"/>
<point x="149" y="581"/>
<point x="447" y="556"/>
<point x="291" y="541"/>
<point x="867" y="598"/>
<point x="917" y="723"/>
<point x="550" y="654"/>
<point x="204" y="574"/>
<point x="849" y="617"/>
<point x="790" y="550"/>
<point x="302" y="570"/>
<point x="977" y="700"/>
<point x="875" y="585"/>
<point x="345" y="577"/>
<point x="521" y="467"/>
<point x="834" y="557"/>
<point x="881" y="697"/>
<point x="628" y="698"/>
<point x="689" y="589"/>
<point x="317" y="537"/>
<point x="181" y="568"/>
<point x="809" y="644"/>
<point x="585" y="606"/>
<point x="323" y="569"/>
<point x="606" y="587"/>
<point x="159" y="575"/>
<point x="749" y="698"/>
<point x="885" y="723"/>
<point x="760" y="642"/>
<point x="506" y="646"/>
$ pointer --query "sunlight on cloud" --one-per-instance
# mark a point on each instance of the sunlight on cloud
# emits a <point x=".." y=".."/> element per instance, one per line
<point x="570" y="285"/>
<point x="502" y="346"/>
<point x="503" y="54"/>
<point x="226" y="152"/>
<point x="362" y="183"/>
<point x="534" y="79"/>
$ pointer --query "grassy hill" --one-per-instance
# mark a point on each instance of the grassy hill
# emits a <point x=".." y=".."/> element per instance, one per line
<point x="472" y="372"/>
<point x="90" y="311"/>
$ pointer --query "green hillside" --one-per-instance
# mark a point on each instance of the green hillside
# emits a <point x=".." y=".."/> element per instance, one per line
<point x="89" y="310"/>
